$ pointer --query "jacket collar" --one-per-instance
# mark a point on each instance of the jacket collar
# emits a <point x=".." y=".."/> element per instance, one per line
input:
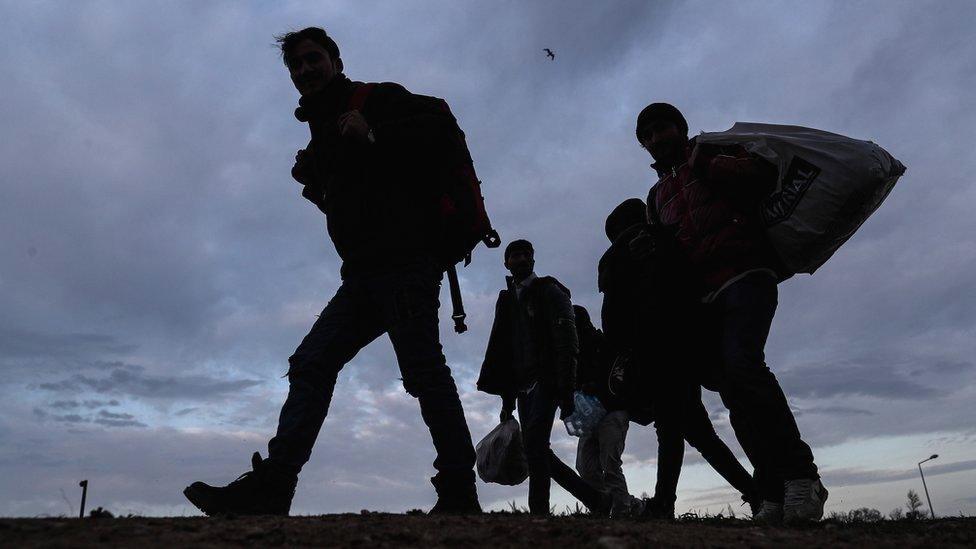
<point x="330" y="102"/>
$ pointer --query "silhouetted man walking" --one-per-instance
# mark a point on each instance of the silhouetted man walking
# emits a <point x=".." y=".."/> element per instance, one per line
<point x="708" y="197"/>
<point x="648" y="306"/>
<point x="367" y="168"/>
<point x="531" y="361"/>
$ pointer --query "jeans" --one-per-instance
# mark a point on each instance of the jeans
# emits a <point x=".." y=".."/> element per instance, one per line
<point x="403" y="304"/>
<point x="537" y="410"/>
<point x="681" y="417"/>
<point x="598" y="457"/>
<point x="758" y="411"/>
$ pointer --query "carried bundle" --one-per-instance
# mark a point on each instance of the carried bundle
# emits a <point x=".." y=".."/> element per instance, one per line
<point x="828" y="186"/>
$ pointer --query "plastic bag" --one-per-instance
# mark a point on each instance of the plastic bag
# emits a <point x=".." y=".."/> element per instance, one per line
<point x="828" y="186"/>
<point x="588" y="412"/>
<point x="501" y="456"/>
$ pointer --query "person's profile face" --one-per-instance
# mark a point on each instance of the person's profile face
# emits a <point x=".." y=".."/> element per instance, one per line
<point x="520" y="263"/>
<point x="663" y="140"/>
<point x="311" y="67"/>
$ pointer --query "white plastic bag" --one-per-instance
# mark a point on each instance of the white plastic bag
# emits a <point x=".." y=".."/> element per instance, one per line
<point x="828" y="186"/>
<point x="501" y="456"/>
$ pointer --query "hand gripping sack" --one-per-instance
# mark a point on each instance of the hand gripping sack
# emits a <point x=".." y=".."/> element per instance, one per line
<point x="828" y="186"/>
<point x="501" y="458"/>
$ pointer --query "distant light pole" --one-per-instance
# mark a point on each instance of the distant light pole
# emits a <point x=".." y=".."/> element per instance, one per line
<point x="933" y="456"/>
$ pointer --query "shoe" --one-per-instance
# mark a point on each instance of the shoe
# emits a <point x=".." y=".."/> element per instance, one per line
<point x="264" y="490"/>
<point x="755" y="504"/>
<point x="455" y="500"/>
<point x="633" y="508"/>
<point x="769" y="513"/>
<point x="655" y="509"/>
<point x="804" y="501"/>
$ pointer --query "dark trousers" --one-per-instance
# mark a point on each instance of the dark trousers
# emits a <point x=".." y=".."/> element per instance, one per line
<point x="537" y="410"/>
<point x="403" y="304"/>
<point x="680" y="417"/>
<point x="758" y="411"/>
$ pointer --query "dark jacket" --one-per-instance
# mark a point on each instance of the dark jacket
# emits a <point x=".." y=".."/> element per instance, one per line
<point x="379" y="198"/>
<point x="652" y="315"/>
<point x="713" y="210"/>
<point x="552" y="329"/>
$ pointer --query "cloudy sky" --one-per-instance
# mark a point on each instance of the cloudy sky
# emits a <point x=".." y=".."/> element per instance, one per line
<point x="158" y="265"/>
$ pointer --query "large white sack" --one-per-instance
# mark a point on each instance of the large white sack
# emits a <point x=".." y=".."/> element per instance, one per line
<point x="828" y="186"/>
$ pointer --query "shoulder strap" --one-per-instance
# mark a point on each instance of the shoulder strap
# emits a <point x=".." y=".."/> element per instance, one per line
<point x="358" y="98"/>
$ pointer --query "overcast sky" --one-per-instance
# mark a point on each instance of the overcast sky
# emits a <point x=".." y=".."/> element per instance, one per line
<point x="158" y="264"/>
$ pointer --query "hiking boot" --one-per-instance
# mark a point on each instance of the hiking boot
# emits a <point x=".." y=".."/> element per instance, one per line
<point x="804" y="501"/>
<point x="264" y="490"/>
<point x="769" y="513"/>
<point x="655" y="509"/>
<point x="454" y="499"/>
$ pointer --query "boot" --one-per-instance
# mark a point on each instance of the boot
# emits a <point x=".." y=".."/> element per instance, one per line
<point x="657" y="509"/>
<point x="264" y="490"/>
<point x="805" y="500"/>
<point x="455" y="497"/>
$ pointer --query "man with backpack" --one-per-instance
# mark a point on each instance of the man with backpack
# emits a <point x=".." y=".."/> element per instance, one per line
<point x="708" y="198"/>
<point x="600" y="450"/>
<point x="647" y="304"/>
<point x="378" y="165"/>
<point x="530" y="362"/>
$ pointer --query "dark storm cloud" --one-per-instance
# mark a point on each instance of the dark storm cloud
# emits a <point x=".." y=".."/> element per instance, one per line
<point x="129" y="380"/>
<point x="855" y="477"/>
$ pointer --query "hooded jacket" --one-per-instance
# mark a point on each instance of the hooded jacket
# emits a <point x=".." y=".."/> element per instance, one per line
<point x="379" y="198"/>
<point x="552" y="331"/>
<point x="713" y="210"/>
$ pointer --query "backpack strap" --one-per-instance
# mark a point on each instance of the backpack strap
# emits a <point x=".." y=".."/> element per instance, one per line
<point x="358" y="98"/>
<point x="456" y="304"/>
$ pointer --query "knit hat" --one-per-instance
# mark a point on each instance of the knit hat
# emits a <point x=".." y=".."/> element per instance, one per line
<point x="661" y="111"/>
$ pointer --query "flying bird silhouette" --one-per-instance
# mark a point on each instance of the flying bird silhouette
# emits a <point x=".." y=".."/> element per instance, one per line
<point x="550" y="54"/>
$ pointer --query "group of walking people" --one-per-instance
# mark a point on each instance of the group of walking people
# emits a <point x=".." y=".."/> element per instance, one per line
<point x="689" y="286"/>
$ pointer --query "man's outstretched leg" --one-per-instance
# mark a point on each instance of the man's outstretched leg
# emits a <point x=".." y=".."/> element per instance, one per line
<point x="412" y="304"/>
<point x="753" y="394"/>
<point x="344" y="327"/>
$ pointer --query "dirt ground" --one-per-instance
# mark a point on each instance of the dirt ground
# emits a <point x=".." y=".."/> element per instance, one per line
<point x="493" y="530"/>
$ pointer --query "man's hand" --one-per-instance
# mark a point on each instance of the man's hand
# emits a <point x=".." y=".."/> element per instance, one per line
<point x="353" y="125"/>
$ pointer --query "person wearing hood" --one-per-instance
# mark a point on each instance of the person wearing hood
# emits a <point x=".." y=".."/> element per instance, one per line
<point x="530" y="362"/>
<point x="709" y="198"/>
<point x="370" y="169"/>
<point x="645" y="302"/>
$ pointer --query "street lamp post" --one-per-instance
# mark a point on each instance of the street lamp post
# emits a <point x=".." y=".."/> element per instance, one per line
<point x="933" y="456"/>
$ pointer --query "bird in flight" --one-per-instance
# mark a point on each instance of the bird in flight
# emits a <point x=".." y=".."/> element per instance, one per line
<point x="550" y="54"/>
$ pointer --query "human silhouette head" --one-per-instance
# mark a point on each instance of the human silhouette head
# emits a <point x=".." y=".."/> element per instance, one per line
<point x="628" y="213"/>
<point x="520" y="258"/>
<point x="663" y="131"/>
<point x="312" y="58"/>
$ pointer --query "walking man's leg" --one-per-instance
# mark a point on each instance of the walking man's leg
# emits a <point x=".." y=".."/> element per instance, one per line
<point x="536" y="414"/>
<point x="612" y="433"/>
<point x="343" y="328"/>
<point x="588" y="461"/>
<point x="701" y="435"/>
<point x="413" y="328"/>
<point x="751" y="391"/>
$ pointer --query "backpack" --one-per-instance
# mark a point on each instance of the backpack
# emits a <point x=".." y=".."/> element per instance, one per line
<point x="828" y="186"/>
<point x="462" y="218"/>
